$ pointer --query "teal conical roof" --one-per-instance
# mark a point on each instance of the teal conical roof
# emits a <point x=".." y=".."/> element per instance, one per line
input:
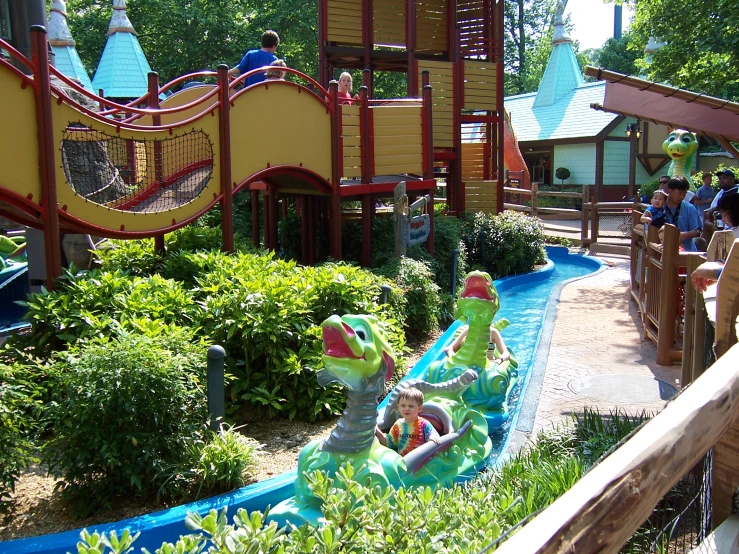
<point x="562" y="74"/>
<point x="66" y="58"/>
<point x="123" y="68"/>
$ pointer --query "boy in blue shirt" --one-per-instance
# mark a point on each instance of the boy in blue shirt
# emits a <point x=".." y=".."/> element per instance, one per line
<point x="681" y="214"/>
<point x="704" y="195"/>
<point x="254" y="59"/>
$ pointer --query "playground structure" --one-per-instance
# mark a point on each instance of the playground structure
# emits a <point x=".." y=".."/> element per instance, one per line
<point x="128" y="172"/>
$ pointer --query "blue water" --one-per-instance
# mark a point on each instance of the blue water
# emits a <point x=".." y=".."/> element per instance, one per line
<point x="524" y="301"/>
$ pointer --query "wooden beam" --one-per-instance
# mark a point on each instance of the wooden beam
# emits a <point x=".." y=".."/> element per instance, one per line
<point x="603" y="510"/>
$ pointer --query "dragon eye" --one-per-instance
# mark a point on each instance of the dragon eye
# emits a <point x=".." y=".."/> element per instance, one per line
<point x="686" y="138"/>
<point x="361" y="334"/>
<point x="671" y="138"/>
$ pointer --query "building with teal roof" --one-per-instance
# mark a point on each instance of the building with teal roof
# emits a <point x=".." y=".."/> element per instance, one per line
<point x="123" y="69"/>
<point x="556" y="127"/>
<point x="66" y="58"/>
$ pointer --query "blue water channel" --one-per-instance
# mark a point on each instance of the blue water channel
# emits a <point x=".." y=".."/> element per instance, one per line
<point x="526" y="301"/>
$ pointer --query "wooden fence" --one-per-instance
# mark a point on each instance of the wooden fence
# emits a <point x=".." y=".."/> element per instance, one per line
<point x="607" y="506"/>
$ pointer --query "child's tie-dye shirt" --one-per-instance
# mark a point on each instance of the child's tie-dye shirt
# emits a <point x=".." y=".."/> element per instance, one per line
<point x="405" y="437"/>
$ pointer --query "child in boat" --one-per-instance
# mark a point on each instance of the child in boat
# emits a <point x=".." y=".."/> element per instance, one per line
<point x="411" y="430"/>
<point x="655" y="214"/>
<point x="495" y="338"/>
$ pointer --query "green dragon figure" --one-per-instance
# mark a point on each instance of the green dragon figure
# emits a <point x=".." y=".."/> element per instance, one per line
<point x="681" y="146"/>
<point x="357" y="354"/>
<point x="477" y="305"/>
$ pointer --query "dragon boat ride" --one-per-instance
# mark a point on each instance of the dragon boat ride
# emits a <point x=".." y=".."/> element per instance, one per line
<point x="465" y="398"/>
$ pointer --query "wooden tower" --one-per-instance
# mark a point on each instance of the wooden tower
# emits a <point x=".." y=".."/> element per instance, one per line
<point x="459" y="43"/>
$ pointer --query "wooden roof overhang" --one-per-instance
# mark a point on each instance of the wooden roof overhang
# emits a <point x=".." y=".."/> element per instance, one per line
<point x="671" y="106"/>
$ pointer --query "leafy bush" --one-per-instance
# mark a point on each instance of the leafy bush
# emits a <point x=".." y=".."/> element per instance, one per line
<point x="447" y="237"/>
<point x="96" y="303"/>
<point x="648" y="188"/>
<point x="265" y="312"/>
<point x="562" y="173"/>
<point x="513" y="242"/>
<point x="221" y="462"/>
<point x="136" y="257"/>
<point x="125" y="408"/>
<point x="193" y="238"/>
<point x="415" y="279"/>
<point x="19" y="406"/>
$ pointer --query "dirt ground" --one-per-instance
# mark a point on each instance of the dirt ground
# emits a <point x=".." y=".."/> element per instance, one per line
<point x="37" y="509"/>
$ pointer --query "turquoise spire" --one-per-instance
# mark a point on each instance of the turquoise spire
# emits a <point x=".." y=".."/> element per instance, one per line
<point x="66" y="58"/>
<point x="562" y="74"/>
<point x="123" y="68"/>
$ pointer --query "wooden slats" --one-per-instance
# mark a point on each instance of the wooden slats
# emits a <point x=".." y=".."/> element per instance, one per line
<point x="389" y="23"/>
<point x="431" y="25"/>
<point x="480" y="87"/>
<point x="481" y="196"/>
<point x="441" y="78"/>
<point x="352" y="141"/>
<point x="344" y="22"/>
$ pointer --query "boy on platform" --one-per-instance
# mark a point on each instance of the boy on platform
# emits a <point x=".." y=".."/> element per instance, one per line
<point x="411" y="430"/>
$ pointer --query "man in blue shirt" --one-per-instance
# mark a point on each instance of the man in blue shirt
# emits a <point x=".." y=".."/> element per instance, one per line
<point x="255" y="59"/>
<point x="682" y="214"/>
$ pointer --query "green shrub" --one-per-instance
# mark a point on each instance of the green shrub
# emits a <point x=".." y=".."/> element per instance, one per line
<point x="289" y="233"/>
<point x="136" y="257"/>
<point x="19" y="409"/>
<point x="125" y="408"/>
<point x="513" y="242"/>
<point x="192" y="238"/>
<point x="447" y="237"/>
<point x="221" y="462"/>
<point x="648" y="188"/>
<point x="423" y="304"/>
<point x="265" y="312"/>
<point x="95" y="303"/>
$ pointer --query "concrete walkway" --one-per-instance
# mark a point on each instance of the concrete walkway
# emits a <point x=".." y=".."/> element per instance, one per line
<point x="596" y="357"/>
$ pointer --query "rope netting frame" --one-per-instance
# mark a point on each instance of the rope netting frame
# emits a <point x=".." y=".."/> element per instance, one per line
<point x="135" y="175"/>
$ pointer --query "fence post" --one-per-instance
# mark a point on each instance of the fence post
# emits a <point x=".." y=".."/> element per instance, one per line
<point x="455" y="265"/>
<point x="534" y="198"/>
<point x="593" y="219"/>
<point x="694" y="328"/>
<point x="216" y="395"/>
<point x="668" y="295"/>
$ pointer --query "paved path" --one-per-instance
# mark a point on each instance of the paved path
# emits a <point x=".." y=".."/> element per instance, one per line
<point x="596" y="356"/>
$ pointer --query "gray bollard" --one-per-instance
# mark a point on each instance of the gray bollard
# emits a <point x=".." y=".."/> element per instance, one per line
<point x="455" y="264"/>
<point x="216" y="394"/>
<point x="384" y="294"/>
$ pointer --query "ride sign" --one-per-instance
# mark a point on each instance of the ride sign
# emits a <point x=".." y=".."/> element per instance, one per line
<point x="419" y="227"/>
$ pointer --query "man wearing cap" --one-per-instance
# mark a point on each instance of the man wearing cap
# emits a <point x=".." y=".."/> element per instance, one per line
<point x="704" y="195"/>
<point x="728" y="185"/>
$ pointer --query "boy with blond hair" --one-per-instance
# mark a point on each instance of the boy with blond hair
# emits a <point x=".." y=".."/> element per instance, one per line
<point x="411" y="430"/>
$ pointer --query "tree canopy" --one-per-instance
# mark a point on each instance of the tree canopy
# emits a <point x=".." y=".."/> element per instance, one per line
<point x="702" y="43"/>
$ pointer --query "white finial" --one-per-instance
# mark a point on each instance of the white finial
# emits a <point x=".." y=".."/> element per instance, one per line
<point x="119" y="22"/>
<point x="59" y="33"/>
<point x="560" y="35"/>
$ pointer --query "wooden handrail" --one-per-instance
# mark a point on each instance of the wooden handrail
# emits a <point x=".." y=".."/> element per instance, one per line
<point x="604" y="509"/>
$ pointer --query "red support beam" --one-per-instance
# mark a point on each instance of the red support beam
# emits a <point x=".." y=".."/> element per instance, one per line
<point x="266" y="213"/>
<point x="410" y="45"/>
<point x="457" y="197"/>
<point x="152" y="103"/>
<point x="273" y="219"/>
<point x="335" y="211"/>
<point x="428" y="128"/>
<point x="224" y="132"/>
<point x="47" y="165"/>
<point x="499" y="100"/>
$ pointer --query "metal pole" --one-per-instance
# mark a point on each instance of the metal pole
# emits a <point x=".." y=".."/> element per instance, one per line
<point x="384" y="294"/>
<point x="455" y="264"/>
<point x="216" y="394"/>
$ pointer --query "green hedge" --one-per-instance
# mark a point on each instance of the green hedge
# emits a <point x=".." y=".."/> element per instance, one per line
<point x="514" y="242"/>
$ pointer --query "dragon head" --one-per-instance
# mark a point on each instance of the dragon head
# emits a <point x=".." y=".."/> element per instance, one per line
<point x="680" y="144"/>
<point x="356" y="351"/>
<point x="478" y="297"/>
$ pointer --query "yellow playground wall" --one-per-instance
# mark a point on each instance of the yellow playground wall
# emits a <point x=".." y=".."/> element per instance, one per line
<point x="19" y="154"/>
<point x="351" y="139"/>
<point x="279" y="124"/>
<point x="110" y="218"/>
<point x="441" y="78"/>
<point x="398" y="139"/>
